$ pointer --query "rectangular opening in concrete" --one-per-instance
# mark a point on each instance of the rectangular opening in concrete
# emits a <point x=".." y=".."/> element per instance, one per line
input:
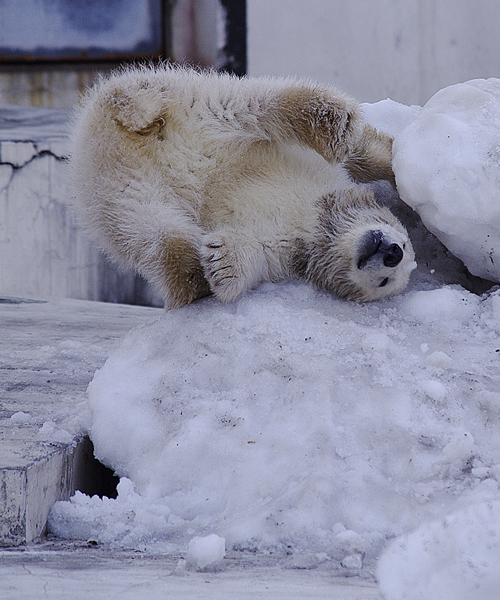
<point x="90" y="476"/>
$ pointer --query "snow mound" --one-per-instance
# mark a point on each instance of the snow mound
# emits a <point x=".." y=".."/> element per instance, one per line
<point x="455" y="558"/>
<point x="447" y="167"/>
<point x="295" y="422"/>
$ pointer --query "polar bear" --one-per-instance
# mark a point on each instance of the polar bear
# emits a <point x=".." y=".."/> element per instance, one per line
<point x="207" y="183"/>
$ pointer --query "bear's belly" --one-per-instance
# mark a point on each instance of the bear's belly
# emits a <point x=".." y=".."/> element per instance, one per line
<point x="269" y="193"/>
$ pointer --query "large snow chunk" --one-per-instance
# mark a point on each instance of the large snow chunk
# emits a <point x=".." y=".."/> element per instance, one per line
<point x="390" y="116"/>
<point x="447" y="167"/>
<point x="442" y="304"/>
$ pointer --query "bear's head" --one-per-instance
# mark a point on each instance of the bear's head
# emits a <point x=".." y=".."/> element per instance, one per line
<point x="360" y="250"/>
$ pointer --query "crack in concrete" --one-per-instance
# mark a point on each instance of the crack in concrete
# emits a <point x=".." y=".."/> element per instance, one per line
<point x="44" y="582"/>
<point x="11" y="177"/>
<point x="16" y="166"/>
<point x="38" y="154"/>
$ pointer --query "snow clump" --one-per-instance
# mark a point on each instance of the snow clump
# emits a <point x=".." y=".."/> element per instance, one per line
<point x="447" y="167"/>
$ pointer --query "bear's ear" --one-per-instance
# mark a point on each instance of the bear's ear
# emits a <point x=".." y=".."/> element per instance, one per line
<point x="138" y="109"/>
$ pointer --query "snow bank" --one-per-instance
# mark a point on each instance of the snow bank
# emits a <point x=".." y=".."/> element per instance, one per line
<point x="447" y="166"/>
<point x="294" y="422"/>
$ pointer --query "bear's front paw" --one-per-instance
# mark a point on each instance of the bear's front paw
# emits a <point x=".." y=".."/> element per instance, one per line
<point x="232" y="263"/>
<point x="219" y="266"/>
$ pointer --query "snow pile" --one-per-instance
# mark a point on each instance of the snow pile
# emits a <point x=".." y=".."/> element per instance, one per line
<point x="126" y="522"/>
<point x="294" y="422"/>
<point x="447" y="166"/>
<point x="456" y="558"/>
<point x="390" y="116"/>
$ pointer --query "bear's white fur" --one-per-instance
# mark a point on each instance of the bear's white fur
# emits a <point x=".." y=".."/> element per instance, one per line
<point x="208" y="183"/>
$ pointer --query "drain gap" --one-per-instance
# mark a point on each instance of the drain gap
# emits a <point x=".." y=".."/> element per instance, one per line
<point x="91" y="477"/>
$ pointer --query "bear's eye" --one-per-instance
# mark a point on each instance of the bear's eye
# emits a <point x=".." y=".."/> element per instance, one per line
<point x="384" y="282"/>
<point x="404" y="246"/>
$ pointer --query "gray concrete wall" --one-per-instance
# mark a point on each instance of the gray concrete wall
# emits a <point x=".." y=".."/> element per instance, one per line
<point x="374" y="49"/>
<point x="195" y="35"/>
<point x="43" y="86"/>
<point x="44" y="251"/>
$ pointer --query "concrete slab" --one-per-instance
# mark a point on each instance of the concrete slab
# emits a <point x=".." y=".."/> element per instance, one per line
<point x="23" y="123"/>
<point x="49" y="353"/>
<point x="79" y="571"/>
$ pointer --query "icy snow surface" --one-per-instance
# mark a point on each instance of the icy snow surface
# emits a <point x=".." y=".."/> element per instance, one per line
<point x="317" y="429"/>
<point x="447" y="167"/>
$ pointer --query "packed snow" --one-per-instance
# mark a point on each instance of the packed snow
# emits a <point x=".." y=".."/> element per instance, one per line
<point x="204" y="552"/>
<point x="455" y="558"/>
<point x="329" y="433"/>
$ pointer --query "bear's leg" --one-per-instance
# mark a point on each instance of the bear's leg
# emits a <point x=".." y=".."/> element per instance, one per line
<point x="160" y="242"/>
<point x="179" y="272"/>
<point x="321" y="118"/>
<point x="233" y="263"/>
<point x="371" y="158"/>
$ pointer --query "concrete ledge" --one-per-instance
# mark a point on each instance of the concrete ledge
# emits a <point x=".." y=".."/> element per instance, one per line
<point x="28" y="491"/>
<point x="49" y="353"/>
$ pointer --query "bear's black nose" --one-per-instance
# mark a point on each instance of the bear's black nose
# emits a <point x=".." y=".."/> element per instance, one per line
<point x="392" y="255"/>
<point x="373" y="244"/>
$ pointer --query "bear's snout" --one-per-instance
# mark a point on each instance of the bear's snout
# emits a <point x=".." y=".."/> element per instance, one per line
<point x="374" y="243"/>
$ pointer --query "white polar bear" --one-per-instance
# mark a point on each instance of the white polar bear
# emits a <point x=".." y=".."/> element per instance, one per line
<point x="208" y="183"/>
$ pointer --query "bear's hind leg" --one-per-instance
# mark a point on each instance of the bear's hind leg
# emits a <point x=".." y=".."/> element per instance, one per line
<point x="181" y="274"/>
<point x="232" y="263"/>
<point x="160" y="242"/>
<point x="371" y="159"/>
<point x="321" y="118"/>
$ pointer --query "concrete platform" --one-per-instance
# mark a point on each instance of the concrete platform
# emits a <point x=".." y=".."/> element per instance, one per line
<point x="78" y="571"/>
<point x="48" y="355"/>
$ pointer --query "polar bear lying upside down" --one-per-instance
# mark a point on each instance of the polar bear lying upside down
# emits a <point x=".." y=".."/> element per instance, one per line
<point x="206" y="183"/>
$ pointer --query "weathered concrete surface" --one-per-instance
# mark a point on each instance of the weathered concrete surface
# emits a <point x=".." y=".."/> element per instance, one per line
<point x="43" y="250"/>
<point x="24" y="123"/>
<point x="48" y="355"/>
<point x="80" y="571"/>
<point x="29" y="489"/>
